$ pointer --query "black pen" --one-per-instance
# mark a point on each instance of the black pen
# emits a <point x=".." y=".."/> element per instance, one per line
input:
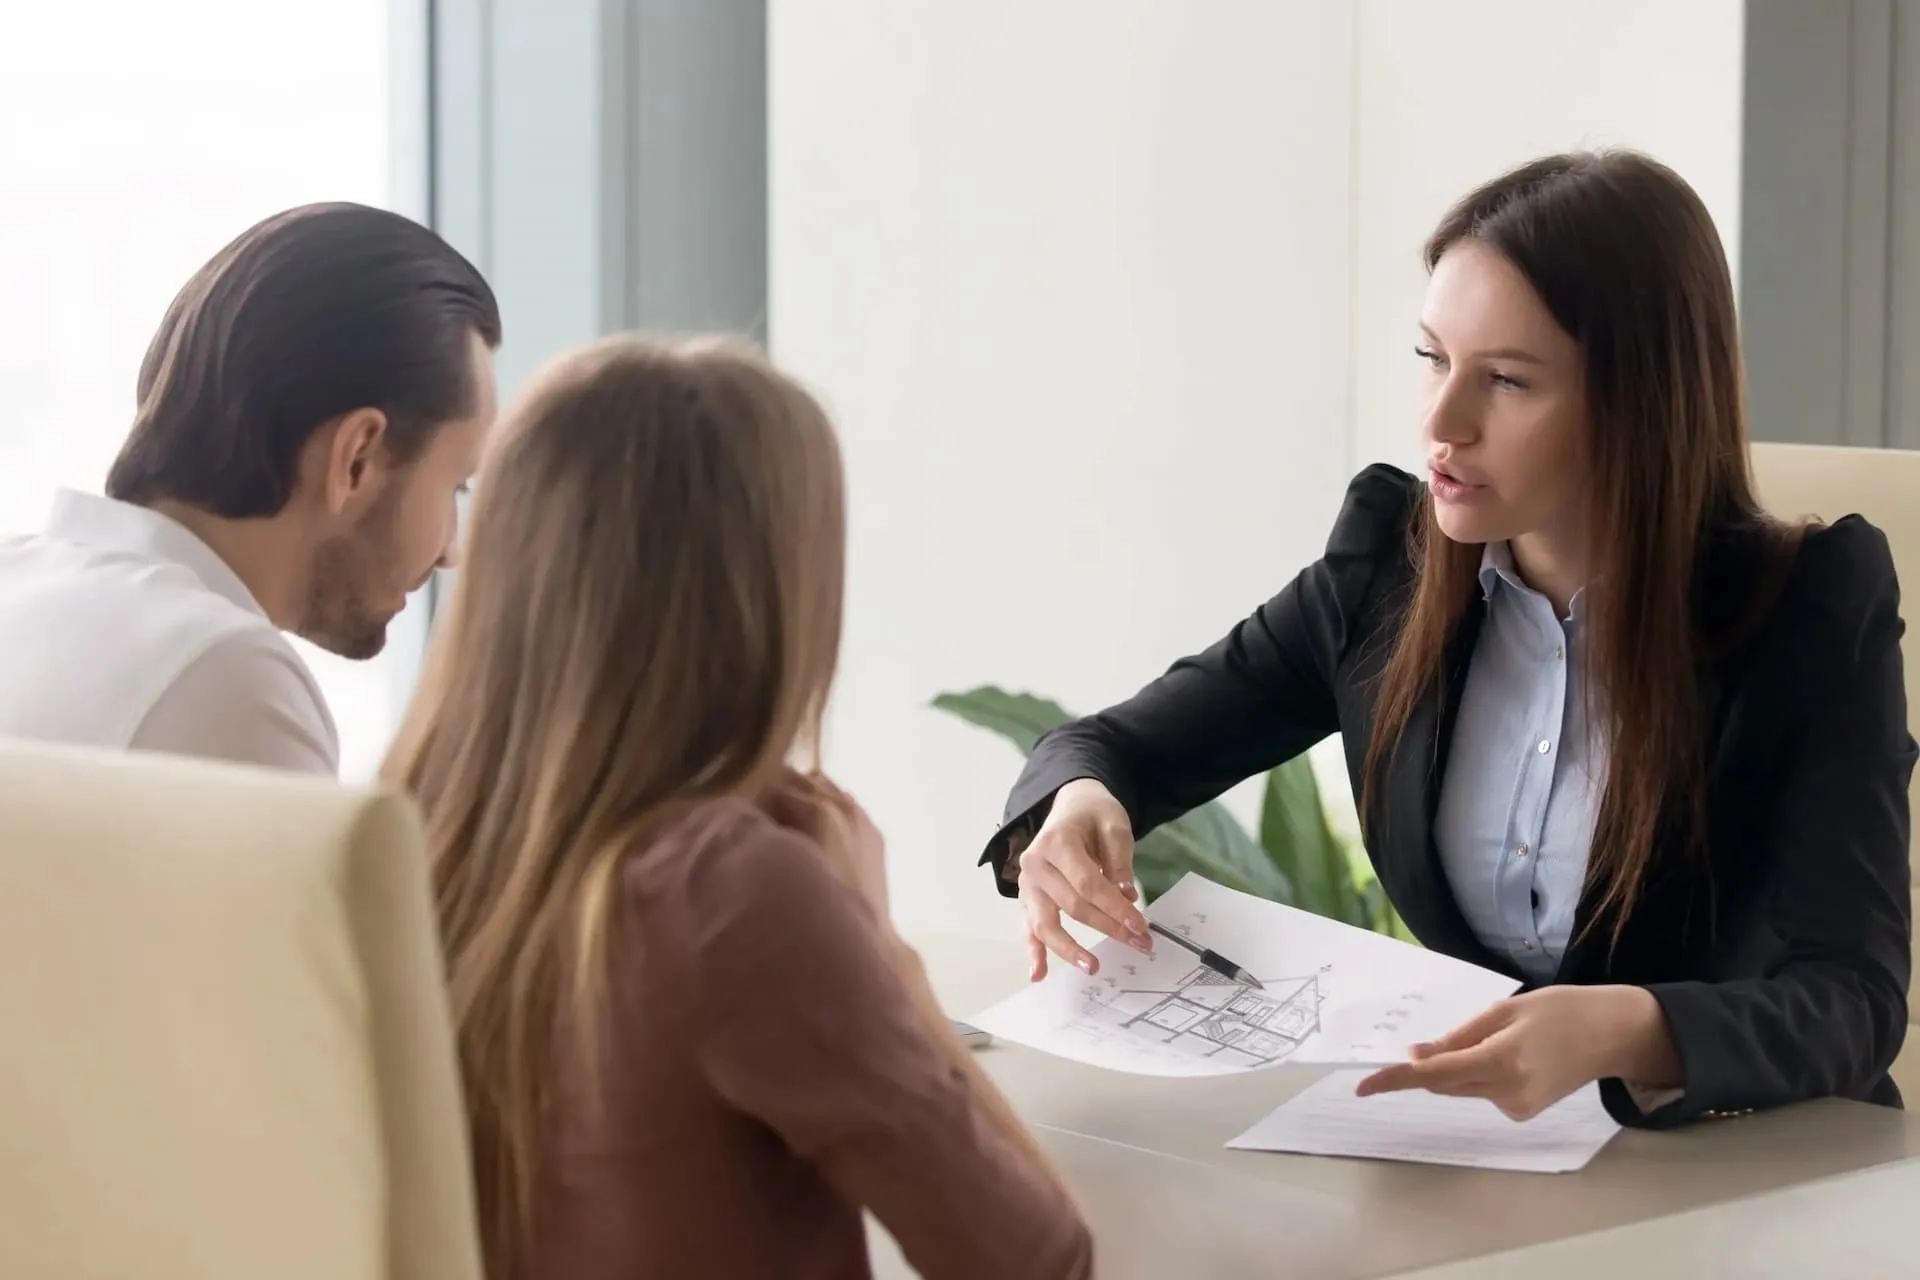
<point x="1212" y="959"/>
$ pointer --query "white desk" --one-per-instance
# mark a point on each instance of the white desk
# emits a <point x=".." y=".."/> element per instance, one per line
<point x="1166" y="1198"/>
<point x="1855" y="1226"/>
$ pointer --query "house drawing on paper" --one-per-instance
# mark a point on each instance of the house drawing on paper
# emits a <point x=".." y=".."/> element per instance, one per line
<point x="1210" y="1016"/>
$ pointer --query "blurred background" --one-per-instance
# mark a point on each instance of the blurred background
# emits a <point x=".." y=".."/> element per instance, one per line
<point x="1109" y="297"/>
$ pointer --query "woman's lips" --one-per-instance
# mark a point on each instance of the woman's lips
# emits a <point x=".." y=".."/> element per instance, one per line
<point x="1448" y="488"/>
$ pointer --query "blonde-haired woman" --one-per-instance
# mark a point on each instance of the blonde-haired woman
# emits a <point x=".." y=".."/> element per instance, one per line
<point x="692" y="1043"/>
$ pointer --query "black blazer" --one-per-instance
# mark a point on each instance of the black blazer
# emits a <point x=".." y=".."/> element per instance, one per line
<point x="1783" y="973"/>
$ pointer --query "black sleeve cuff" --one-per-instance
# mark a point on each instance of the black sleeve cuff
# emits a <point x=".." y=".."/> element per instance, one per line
<point x="1706" y="1078"/>
<point x="1027" y="809"/>
<point x="1002" y="851"/>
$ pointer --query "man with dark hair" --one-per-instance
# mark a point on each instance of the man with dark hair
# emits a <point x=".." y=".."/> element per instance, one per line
<point x="313" y="403"/>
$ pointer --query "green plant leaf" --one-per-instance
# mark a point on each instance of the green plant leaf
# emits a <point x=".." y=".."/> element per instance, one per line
<point x="1299" y="841"/>
<point x="1373" y="897"/>
<point x="1019" y="717"/>
<point x="1207" y="840"/>
<point x="1211" y="841"/>
<point x="1381" y="917"/>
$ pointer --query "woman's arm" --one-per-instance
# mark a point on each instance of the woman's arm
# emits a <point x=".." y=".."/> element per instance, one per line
<point x="939" y="1028"/>
<point x="1258" y="697"/>
<point x="808" y="1014"/>
<point x="1827" y="1012"/>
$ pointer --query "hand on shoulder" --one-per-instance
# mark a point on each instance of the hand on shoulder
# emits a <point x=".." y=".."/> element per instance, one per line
<point x="814" y="806"/>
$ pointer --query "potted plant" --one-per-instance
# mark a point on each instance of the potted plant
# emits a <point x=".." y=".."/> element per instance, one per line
<point x="1298" y="858"/>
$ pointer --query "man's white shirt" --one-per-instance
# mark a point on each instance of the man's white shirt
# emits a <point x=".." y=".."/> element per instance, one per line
<point x="120" y="628"/>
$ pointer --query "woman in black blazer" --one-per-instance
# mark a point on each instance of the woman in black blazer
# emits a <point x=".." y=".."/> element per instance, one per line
<point x="1615" y="730"/>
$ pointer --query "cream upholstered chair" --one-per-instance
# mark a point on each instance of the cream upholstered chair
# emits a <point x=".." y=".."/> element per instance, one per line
<point x="227" y="1050"/>
<point x="1884" y="486"/>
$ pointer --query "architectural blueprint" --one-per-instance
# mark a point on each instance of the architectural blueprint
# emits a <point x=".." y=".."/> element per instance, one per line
<point x="1329" y="994"/>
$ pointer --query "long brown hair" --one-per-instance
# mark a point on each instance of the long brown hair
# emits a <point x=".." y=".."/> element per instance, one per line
<point x="1625" y="256"/>
<point x="648" y="615"/>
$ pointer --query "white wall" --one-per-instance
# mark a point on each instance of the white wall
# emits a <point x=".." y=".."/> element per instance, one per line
<point x="1073" y="276"/>
<point x="1098" y="291"/>
<point x="1452" y="92"/>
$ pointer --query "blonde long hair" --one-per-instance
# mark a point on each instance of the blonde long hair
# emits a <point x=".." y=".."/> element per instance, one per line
<point x="647" y="616"/>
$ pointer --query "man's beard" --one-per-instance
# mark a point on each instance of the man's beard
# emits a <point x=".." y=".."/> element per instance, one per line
<point x="346" y="568"/>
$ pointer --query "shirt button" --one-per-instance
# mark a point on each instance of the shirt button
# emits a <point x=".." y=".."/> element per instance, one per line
<point x="1545" y="746"/>
<point x="1524" y="849"/>
<point x="1526" y="945"/>
<point x="1559" y="653"/>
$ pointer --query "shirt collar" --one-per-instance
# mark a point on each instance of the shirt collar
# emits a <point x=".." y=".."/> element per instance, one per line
<point x="121" y="526"/>
<point x="1497" y="567"/>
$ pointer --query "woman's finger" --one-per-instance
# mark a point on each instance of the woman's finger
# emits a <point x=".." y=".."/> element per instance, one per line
<point x="1494" y="1017"/>
<point x="1044" y="923"/>
<point x="1115" y="853"/>
<point x="1394" y="1079"/>
<point x="1079" y="890"/>
<point x="1400" y="1078"/>
<point x="1487" y="1062"/>
<point x="1049" y="883"/>
<point x="1036" y="957"/>
<point x="1442" y="1071"/>
<point x="794" y="800"/>
<point x="1104" y="899"/>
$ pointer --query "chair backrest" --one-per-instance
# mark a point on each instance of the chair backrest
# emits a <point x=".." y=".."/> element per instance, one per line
<point x="228" y="1053"/>
<point x="1884" y="486"/>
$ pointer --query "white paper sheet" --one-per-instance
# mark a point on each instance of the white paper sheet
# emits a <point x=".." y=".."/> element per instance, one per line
<point x="1326" y="1119"/>
<point x="1333" y="994"/>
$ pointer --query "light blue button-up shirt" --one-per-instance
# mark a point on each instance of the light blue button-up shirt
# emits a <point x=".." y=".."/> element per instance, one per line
<point x="1523" y="778"/>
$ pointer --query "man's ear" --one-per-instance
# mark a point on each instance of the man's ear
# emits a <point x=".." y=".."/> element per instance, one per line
<point x="355" y="454"/>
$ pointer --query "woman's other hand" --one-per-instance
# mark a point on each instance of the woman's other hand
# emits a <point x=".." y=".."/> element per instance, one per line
<point x="815" y="806"/>
<point x="1528" y="1052"/>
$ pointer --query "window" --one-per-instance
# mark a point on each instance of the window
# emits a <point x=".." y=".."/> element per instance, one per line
<point x="135" y="139"/>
